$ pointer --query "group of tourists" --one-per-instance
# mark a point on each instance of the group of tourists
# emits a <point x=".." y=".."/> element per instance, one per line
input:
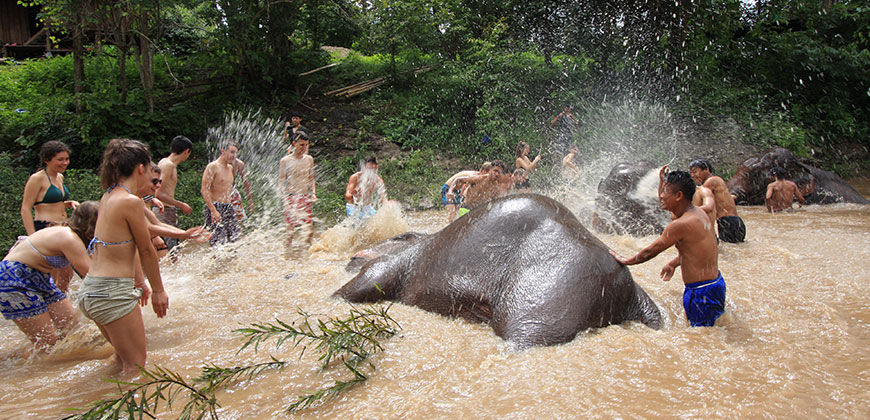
<point x="115" y="244"/>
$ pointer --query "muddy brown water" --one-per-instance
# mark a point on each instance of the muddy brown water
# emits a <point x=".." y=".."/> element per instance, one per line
<point x="794" y="342"/>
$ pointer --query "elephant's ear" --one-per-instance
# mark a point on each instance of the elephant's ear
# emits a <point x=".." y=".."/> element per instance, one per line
<point x="378" y="280"/>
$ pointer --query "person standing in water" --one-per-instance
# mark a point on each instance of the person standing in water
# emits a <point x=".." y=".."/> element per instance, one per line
<point x="217" y="186"/>
<point x="564" y="123"/>
<point x="731" y="227"/>
<point x="528" y="165"/>
<point x="781" y="193"/>
<point x="121" y="249"/>
<point x="497" y="182"/>
<point x="298" y="189"/>
<point x="28" y="296"/>
<point x="293" y="127"/>
<point x="180" y="149"/>
<point x="365" y="190"/>
<point x="698" y="254"/>
<point x="48" y="187"/>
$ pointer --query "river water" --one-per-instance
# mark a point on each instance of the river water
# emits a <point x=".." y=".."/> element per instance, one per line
<point x="794" y="341"/>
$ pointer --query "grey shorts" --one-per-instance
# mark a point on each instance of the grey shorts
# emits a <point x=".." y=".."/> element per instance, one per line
<point x="107" y="299"/>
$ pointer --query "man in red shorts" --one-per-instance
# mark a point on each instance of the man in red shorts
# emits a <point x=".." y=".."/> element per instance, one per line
<point x="296" y="183"/>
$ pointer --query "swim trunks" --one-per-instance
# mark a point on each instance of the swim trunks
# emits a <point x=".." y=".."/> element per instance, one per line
<point x="357" y="212"/>
<point x="170" y="217"/>
<point x="731" y="229"/>
<point x="228" y="228"/>
<point x="704" y="301"/>
<point x="238" y="208"/>
<point x="457" y="197"/>
<point x="107" y="299"/>
<point x="297" y="209"/>
<point x="523" y="184"/>
<point x="25" y="291"/>
<point x="462" y="211"/>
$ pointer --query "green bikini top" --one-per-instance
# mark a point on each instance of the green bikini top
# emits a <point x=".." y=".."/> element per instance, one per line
<point x="53" y="194"/>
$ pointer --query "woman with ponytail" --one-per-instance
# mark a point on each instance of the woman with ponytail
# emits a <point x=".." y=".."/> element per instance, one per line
<point x="114" y="286"/>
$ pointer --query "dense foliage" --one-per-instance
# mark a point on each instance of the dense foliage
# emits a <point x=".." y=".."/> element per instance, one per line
<point x="463" y="79"/>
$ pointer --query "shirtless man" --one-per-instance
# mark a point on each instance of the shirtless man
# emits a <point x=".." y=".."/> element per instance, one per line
<point x="731" y="227"/>
<point x="364" y="189"/>
<point x="569" y="168"/>
<point x="485" y="187"/>
<point x="298" y="190"/>
<point x="697" y="252"/>
<point x="451" y="192"/>
<point x="781" y="193"/>
<point x="217" y="185"/>
<point x="180" y="149"/>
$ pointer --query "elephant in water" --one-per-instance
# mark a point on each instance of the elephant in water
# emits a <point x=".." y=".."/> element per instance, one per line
<point x="625" y="205"/>
<point x="523" y="264"/>
<point x="749" y="182"/>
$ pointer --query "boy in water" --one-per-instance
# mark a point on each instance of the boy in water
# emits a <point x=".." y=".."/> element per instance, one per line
<point x="293" y="127"/>
<point x="365" y="189"/>
<point x="451" y="191"/>
<point x="180" y="149"/>
<point x="731" y="227"/>
<point x="482" y="188"/>
<point x="296" y="183"/>
<point x="781" y="193"/>
<point x="693" y="235"/>
<point x="217" y="186"/>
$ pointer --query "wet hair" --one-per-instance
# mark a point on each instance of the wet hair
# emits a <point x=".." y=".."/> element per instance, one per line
<point x="180" y="144"/>
<point x="702" y="164"/>
<point x="683" y="182"/>
<point x="230" y="142"/>
<point x="521" y="146"/>
<point x="486" y="167"/>
<point x="84" y="220"/>
<point x="120" y="159"/>
<point x="156" y="169"/>
<point x="779" y="172"/>
<point x="500" y="164"/>
<point x="300" y="135"/>
<point x="51" y="148"/>
<point x="371" y="159"/>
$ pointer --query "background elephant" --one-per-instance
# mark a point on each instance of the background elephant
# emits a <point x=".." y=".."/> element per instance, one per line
<point x="818" y="186"/>
<point x="626" y="205"/>
<point x="523" y="264"/>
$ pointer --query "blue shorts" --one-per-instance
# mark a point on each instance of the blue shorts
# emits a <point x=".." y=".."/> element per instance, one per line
<point x="457" y="197"/>
<point x="25" y="292"/>
<point x="359" y="212"/>
<point x="704" y="301"/>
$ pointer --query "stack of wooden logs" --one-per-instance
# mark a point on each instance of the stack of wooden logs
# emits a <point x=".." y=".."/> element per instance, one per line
<point x="362" y="87"/>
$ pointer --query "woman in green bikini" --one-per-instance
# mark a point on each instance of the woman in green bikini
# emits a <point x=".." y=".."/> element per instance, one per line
<point x="46" y="195"/>
<point x="114" y="285"/>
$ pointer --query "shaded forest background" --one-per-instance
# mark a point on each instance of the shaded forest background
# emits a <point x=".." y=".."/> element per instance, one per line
<point x="789" y="73"/>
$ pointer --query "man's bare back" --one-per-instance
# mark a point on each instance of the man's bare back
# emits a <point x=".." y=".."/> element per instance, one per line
<point x="781" y="194"/>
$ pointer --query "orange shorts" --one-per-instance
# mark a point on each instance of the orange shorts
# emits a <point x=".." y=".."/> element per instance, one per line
<point x="297" y="209"/>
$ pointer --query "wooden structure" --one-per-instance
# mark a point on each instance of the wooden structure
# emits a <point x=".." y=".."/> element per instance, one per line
<point x="21" y="35"/>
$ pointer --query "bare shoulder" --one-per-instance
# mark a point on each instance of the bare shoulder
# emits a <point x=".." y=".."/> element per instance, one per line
<point x="165" y="164"/>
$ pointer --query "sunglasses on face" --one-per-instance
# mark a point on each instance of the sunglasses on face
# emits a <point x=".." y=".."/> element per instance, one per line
<point x="156" y="181"/>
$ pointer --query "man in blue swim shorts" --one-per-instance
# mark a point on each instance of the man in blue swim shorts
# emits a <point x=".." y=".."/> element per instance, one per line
<point x="693" y="235"/>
